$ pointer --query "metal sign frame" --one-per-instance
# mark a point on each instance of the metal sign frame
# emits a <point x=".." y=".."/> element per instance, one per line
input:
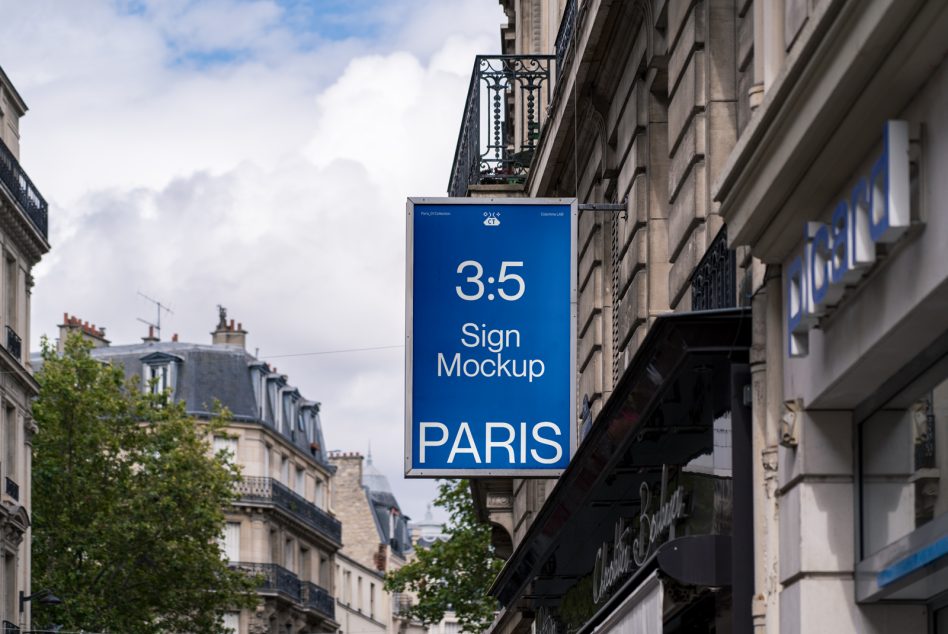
<point x="409" y="341"/>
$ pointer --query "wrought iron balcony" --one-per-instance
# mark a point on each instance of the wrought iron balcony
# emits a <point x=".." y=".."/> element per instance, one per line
<point x="400" y="603"/>
<point x="12" y="489"/>
<point x="270" y="491"/>
<point x="318" y="599"/>
<point x="24" y="191"/>
<point x="564" y="37"/>
<point x="714" y="279"/>
<point x="273" y="578"/>
<point x="505" y="110"/>
<point x="9" y="627"/>
<point x="14" y="344"/>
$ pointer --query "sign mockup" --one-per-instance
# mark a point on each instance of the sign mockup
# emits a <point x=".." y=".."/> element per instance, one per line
<point x="490" y="337"/>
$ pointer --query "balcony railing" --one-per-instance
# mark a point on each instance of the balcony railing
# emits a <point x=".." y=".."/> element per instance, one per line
<point x="713" y="282"/>
<point x="319" y="599"/>
<point x="564" y="37"/>
<point x="23" y="190"/>
<point x="505" y="110"/>
<point x="273" y="578"/>
<point x="14" y="344"/>
<point x="270" y="491"/>
<point x="400" y="603"/>
<point x="9" y="627"/>
<point x="12" y="489"/>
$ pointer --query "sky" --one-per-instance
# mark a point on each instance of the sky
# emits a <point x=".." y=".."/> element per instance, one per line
<point x="255" y="154"/>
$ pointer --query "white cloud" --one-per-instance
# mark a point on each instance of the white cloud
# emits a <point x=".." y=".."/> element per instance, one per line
<point x="273" y="183"/>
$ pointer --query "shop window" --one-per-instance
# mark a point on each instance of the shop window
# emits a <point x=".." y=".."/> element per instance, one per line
<point x="903" y="446"/>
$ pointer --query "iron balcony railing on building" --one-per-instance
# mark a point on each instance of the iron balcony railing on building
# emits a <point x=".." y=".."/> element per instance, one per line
<point x="273" y="578"/>
<point x="24" y="191"/>
<point x="714" y="279"/>
<point x="10" y="627"/>
<point x="14" y="344"/>
<point x="400" y="603"/>
<point x="318" y="599"/>
<point x="564" y="37"/>
<point x="270" y="491"/>
<point x="12" y="489"/>
<point x="506" y="108"/>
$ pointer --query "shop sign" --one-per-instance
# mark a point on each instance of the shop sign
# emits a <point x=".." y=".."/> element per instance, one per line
<point x="615" y="561"/>
<point x="490" y="337"/>
<point x="837" y="254"/>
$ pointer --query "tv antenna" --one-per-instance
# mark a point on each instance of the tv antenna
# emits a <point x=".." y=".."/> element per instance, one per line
<point x="158" y="308"/>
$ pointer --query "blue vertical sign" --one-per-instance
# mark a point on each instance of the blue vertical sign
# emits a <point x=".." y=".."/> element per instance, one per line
<point x="491" y="337"/>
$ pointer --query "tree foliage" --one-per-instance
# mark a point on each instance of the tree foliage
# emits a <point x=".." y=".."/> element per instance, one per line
<point x="453" y="574"/>
<point x="128" y="505"/>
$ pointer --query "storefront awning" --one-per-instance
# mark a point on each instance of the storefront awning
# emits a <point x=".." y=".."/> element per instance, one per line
<point x="680" y="373"/>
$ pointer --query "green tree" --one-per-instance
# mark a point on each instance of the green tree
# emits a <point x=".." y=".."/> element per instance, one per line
<point x="128" y="505"/>
<point x="453" y="574"/>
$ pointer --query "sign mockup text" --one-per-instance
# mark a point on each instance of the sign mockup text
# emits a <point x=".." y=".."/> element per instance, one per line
<point x="490" y="335"/>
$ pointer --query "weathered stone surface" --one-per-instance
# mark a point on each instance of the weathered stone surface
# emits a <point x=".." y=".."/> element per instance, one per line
<point x="632" y="309"/>
<point x="721" y="54"/>
<point x="633" y="260"/>
<point x="794" y="17"/>
<point x="635" y="217"/>
<point x="692" y="38"/>
<point x="680" y="274"/>
<point x="689" y="208"/>
<point x="590" y="301"/>
<point x="591" y="258"/>
<point x="634" y="162"/>
<point x="658" y="171"/>
<point x="630" y="122"/>
<point x="590" y="380"/>
<point x="678" y="11"/>
<point x="588" y="227"/>
<point x="691" y="150"/>
<point x="721" y="119"/>
<point x="624" y="96"/>
<point x="688" y="98"/>
<point x="745" y="42"/>
<point x="589" y="343"/>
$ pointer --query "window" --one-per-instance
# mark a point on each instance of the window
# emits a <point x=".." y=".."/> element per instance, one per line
<point x="319" y="499"/>
<point x="12" y="288"/>
<point x="9" y="583"/>
<point x="372" y="600"/>
<point x="305" y="564"/>
<point x="227" y="445"/>
<point x="266" y="460"/>
<point x="347" y="586"/>
<point x="289" y="555"/>
<point x="230" y="543"/>
<point x="324" y="571"/>
<point x="285" y="470"/>
<point x="359" y="593"/>
<point x="902" y="447"/>
<point x="300" y="482"/>
<point x="10" y="440"/>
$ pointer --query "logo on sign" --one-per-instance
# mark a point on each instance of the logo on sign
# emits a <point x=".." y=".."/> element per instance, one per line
<point x="492" y="218"/>
<point x="838" y="253"/>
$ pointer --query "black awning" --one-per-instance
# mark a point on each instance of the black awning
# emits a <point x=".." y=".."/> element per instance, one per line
<point x="682" y="367"/>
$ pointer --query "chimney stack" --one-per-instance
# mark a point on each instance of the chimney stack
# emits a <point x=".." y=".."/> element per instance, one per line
<point x="151" y="338"/>
<point x="226" y="333"/>
<point x="71" y="324"/>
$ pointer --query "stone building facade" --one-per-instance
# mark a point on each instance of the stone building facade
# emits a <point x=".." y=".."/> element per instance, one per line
<point x="377" y="540"/>
<point x="23" y="241"/>
<point x="768" y="167"/>
<point x="283" y="526"/>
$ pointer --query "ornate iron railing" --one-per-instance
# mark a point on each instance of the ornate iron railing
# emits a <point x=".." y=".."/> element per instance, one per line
<point x="564" y="37"/>
<point x="14" y="344"/>
<point x="273" y="578"/>
<point x="10" y="627"/>
<point x="714" y="278"/>
<point x="319" y="599"/>
<point x="12" y="489"/>
<point x="270" y="491"/>
<point x="505" y="109"/>
<point x="23" y="190"/>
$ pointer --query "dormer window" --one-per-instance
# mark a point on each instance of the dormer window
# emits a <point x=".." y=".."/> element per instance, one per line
<point x="159" y="372"/>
